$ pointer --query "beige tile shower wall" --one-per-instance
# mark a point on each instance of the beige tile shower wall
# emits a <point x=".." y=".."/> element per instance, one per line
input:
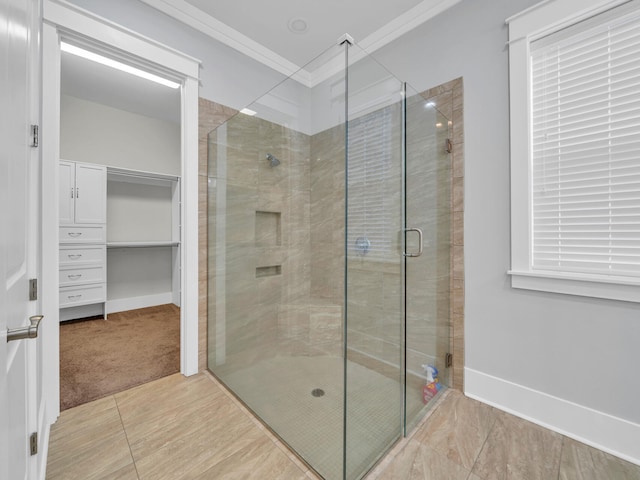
<point x="327" y="214"/>
<point x="375" y="286"/>
<point x="303" y="323"/>
<point x="374" y="290"/>
<point x="374" y="280"/>
<point x="258" y="227"/>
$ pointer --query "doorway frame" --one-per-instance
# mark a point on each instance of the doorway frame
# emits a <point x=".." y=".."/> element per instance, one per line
<point x="61" y="19"/>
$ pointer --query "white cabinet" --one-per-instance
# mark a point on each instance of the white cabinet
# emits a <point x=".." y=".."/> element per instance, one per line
<point x="83" y="193"/>
<point x="82" y="254"/>
<point x="136" y="215"/>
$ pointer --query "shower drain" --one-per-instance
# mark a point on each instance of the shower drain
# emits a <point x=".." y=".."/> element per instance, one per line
<point x="317" y="392"/>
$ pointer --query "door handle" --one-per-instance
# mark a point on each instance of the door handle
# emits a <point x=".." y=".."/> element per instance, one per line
<point x="419" y="252"/>
<point x="25" y="332"/>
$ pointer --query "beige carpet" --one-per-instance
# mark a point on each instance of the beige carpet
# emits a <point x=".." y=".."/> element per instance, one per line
<point x="100" y="357"/>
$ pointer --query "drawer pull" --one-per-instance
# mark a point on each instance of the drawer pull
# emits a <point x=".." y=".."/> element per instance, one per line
<point x="71" y="297"/>
<point x="74" y="256"/>
<point x="74" y="276"/>
<point x="75" y="234"/>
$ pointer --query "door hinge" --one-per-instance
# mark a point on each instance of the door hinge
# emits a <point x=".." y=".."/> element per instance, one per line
<point x="33" y="443"/>
<point x="35" y="135"/>
<point x="448" y="146"/>
<point x="448" y="360"/>
<point x="33" y="289"/>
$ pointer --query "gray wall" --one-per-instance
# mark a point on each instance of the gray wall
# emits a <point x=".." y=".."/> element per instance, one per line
<point x="578" y="349"/>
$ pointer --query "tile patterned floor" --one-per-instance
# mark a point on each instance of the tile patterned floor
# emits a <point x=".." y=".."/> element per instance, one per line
<point x="191" y="428"/>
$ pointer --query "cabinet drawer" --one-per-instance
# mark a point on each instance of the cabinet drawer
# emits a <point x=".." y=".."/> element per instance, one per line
<point x="82" y="275"/>
<point x="84" y="295"/>
<point x="72" y="255"/>
<point x="84" y="234"/>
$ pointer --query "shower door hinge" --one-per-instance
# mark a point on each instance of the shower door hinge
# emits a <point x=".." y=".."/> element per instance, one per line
<point x="448" y="360"/>
<point x="448" y="146"/>
<point x="35" y="136"/>
<point x="33" y="443"/>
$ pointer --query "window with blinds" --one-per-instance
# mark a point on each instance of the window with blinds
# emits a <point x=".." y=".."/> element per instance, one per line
<point x="369" y="210"/>
<point x="585" y="132"/>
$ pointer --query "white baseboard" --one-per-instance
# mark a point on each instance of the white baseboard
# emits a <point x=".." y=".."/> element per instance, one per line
<point x="82" y="311"/>
<point x="124" y="304"/>
<point x="605" y="432"/>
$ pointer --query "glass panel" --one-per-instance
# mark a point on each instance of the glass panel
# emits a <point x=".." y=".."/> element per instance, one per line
<point x="276" y="262"/>
<point x="375" y="276"/>
<point x="428" y="205"/>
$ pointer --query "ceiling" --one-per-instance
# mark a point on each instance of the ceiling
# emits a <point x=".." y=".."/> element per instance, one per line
<point x="282" y="34"/>
<point x="98" y="83"/>
<point x="279" y="25"/>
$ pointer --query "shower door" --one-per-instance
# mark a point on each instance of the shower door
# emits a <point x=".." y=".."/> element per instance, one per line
<point x="428" y="266"/>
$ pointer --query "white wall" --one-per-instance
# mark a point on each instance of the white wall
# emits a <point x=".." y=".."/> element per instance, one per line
<point x="579" y="350"/>
<point x="138" y="213"/>
<point x="580" y="354"/>
<point x="139" y="273"/>
<point x="95" y="133"/>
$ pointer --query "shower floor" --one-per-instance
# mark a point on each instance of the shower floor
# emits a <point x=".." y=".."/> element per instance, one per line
<point x="279" y="390"/>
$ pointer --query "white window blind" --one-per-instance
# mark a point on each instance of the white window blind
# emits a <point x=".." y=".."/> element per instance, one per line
<point x="369" y="209"/>
<point x="585" y="178"/>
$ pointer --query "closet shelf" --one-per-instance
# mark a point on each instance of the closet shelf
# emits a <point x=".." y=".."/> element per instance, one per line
<point x="141" y="244"/>
<point x="140" y="177"/>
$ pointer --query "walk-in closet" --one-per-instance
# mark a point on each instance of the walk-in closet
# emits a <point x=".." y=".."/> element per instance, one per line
<point x="119" y="238"/>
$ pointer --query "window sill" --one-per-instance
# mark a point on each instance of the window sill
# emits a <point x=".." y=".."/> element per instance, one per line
<point x="613" y="288"/>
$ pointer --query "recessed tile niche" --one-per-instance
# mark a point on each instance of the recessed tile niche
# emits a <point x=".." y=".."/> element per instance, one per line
<point x="268" y="234"/>
<point x="269" y="271"/>
<point x="268" y="229"/>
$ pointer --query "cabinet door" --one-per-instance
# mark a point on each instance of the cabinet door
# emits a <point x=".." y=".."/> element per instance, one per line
<point x="67" y="192"/>
<point x="91" y="193"/>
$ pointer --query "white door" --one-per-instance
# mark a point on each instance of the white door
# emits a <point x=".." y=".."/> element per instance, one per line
<point x="91" y="193"/>
<point x="18" y="200"/>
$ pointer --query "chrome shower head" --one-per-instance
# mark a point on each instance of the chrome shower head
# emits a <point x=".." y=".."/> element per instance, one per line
<point x="273" y="160"/>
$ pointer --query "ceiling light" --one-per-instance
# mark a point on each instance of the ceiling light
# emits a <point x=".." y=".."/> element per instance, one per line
<point x="72" y="49"/>
<point x="298" y="25"/>
<point x="248" y="111"/>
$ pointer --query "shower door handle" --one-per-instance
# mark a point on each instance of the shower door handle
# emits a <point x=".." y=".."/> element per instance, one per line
<point x="419" y="252"/>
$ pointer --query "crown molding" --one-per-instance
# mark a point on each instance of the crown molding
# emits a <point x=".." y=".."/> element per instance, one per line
<point x="424" y="11"/>
<point x="214" y="28"/>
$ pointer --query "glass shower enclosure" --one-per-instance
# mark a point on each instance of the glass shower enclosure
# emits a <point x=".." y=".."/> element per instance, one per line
<point x="321" y="314"/>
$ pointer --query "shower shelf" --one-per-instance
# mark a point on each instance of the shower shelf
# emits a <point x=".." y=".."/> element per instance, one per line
<point x="141" y="244"/>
